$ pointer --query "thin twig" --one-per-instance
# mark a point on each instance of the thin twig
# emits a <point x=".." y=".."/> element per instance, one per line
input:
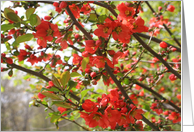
<point x="156" y="55"/>
<point x="167" y="29"/>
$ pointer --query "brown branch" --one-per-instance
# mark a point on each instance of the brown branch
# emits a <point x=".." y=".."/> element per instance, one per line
<point x="77" y="24"/>
<point x="157" y="40"/>
<point x="37" y="74"/>
<point x="107" y="7"/>
<point x="167" y="29"/>
<point x="156" y="55"/>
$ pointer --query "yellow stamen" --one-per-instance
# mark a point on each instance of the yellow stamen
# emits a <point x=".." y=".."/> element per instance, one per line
<point x="105" y="30"/>
<point x="49" y="31"/>
<point x="118" y="29"/>
<point x="128" y="13"/>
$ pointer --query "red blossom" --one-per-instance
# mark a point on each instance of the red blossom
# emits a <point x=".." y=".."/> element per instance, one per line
<point x="163" y="45"/>
<point x="61" y="109"/>
<point x="175" y="117"/>
<point x="125" y="12"/>
<point x="89" y="106"/>
<point x="171" y="8"/>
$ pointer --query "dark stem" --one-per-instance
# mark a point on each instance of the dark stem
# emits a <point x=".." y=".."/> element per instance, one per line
<point x="156" y="55"/>
<point x="158" y="95"/>
<point x="157" y="40"/>
<point x="37" y="74"/>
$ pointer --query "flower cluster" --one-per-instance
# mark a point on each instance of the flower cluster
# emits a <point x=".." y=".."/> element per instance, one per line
<point x="122" y="28"/>
<point x="110" y="111"/>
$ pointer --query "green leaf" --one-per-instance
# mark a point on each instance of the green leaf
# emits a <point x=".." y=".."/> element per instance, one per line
<point x="62" y="104"/>
<point x="72" y="84"/>
<point x="55" y="81"/>
<point x="84" y="63"/>
<point x="15" y="44"/>
<point x="6" y="27"/>
<point x="34" y="20"/>
<point x="7" y="10"/>
<point x="92" y="17"/>
<point x="65" y="76"/>
<point x="24" y="38"/>
<point x="29" y="12"/>
<point x="10" y="73"/>
<point x="11" y="15"/>
<point x="126" y="81"/>
<point x="66" y="58"/>
<point x="51" y="89"/>
<point x="102" y="18"/>
<point x="54" y="118"/>
<point x="51" y="95"/>
<point x="75" y="74"/>
<point x="83" y="94"/>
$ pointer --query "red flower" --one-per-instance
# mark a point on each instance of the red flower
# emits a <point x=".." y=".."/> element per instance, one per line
<point x="178" y="96"/>
<point x="99" y="61"/>
<point x="175" y="117"/>
<point x="32" y="59"/>
<point x="95" y="119"/>
<point x="62" y="4"/>
<point x="76" y="59"/>
<point x="62" y="41"/>
<point x="9" y="60"/>
<point x="172" y="77"/>
<point x="163" y="45"/>
<point x="103" y="30"/>
<point x="22" y="55"/>
<point x="46" y="31"/>
<point x="75" y="10"/>
<point x="91" y="46"/>
<point x="137" y="25"/>
<point x="61" y="109"/>
<point x="86" y="8"/>
<point x="89" y="106"/>
<point x="171" y="8"/>
<point x="117" y="56"/>
<point x="121" y="32"/>
<point x="125" y="12"/>
<point x="41" y="96"/>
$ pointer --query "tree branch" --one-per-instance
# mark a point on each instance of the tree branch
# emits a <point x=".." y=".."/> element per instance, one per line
<point x="157" y="40"/>
<point x="156" y="55"/>
<point x="158" y="95"/>
<point x="37" y="74"/>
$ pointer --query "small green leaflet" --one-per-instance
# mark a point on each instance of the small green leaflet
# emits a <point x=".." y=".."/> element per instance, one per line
<point x="34" y="20"/>
<point x="75" y="74"/>
<point x="29" y="12"/>
<point x="51" y="89"/>
<point x="83" y="94"/>
<point x="24" y="38"/>
<point x="84" y="63"/>
<point x="6" y="27"/>
<point x="11" y="15"/>
<point x="50" y="95"/>
<point x="55" y="81"/>
<point x="65" y="76"/>
<point x="61" y="104"/>
<point x="92" y="17"/>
